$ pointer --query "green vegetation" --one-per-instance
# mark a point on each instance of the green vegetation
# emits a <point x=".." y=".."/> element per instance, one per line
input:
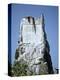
<point x="19" y="68"/>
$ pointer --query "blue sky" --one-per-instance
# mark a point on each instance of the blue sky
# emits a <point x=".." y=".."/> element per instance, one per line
<point x="51" y="26"/>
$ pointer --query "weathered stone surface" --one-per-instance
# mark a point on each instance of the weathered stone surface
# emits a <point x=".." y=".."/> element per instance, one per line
<point x="33" y="45"/>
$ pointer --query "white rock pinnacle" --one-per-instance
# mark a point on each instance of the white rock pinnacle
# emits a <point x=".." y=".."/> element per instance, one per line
<point x="33" y="45"/>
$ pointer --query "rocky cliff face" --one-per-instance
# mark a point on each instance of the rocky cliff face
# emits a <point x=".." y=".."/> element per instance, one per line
<point x="33" y="45"/>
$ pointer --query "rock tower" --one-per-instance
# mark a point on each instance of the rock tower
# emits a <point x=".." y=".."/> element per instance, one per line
<point x="33" y="46"/>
